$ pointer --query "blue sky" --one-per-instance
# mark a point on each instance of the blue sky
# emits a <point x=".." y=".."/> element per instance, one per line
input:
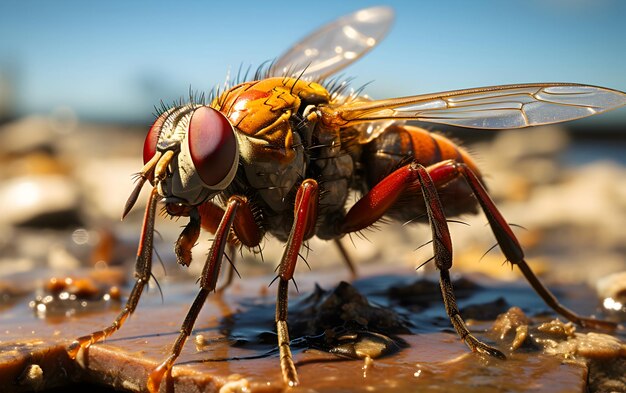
<point x="114" y="60"/>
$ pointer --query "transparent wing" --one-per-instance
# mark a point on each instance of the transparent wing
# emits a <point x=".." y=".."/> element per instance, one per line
<point x="496" y="107"/>
<point x="335" y="45"/>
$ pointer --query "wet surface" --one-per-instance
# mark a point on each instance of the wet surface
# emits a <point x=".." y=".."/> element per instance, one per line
<point x="233" y="343"/>
<point x="67" y="296"/>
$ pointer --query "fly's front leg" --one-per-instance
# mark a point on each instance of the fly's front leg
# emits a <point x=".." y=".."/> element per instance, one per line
<point x="208" y="216"/>
<point x="246" y="230"/>
<point x="305" y="217"/>
<point x="187" y="239"/>
<point x="208" y="283"/>
<point x="382" y="197"/>
<point x="143" y="268"/>
<point x="508" y="242"/>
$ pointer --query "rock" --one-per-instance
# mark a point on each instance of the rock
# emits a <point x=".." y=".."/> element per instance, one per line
<point x="511" y="320"/>
<point x="50" y="201"/>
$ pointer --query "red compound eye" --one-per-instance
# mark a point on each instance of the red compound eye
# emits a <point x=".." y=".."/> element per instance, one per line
<point x="212" y="145"/>
<point x="150" y="144"/>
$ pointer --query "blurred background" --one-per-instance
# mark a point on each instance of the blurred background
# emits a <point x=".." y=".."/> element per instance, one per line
<point x="79" y="82"/>
<point x="113" y="61"/>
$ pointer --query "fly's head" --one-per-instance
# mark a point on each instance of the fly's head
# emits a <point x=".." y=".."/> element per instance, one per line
<point x="190" y="154"/>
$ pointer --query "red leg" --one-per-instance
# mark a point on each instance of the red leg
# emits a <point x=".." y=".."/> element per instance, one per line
<point x="208" y="216"/>
<point x="305" y="217"/>
<point x="372" y="206"/>
<point x="382" y="197"/>
<point x="246" y="231"/>
<point x="208" y="283"/>
<point x="245" y="226"/>
<point x="510" y="246"/>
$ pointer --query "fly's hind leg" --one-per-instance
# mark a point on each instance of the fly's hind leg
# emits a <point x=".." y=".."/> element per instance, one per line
<point x="143" y="268"/>
<point x="508" y="242"/>
<point x="382" y="197"/>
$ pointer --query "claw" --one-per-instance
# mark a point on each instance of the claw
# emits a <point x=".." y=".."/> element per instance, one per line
<point x="597" y="324"/>
<point x="73" y="348"/>
<point x="156" y="376"/>
<point x="81" y="342"/>
<point x="491" y="351"/>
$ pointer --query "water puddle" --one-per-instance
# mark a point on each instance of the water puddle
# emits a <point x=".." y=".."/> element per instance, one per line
<point x="379" y="333"/>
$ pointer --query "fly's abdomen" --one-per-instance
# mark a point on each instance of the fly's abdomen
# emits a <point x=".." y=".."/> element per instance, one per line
<point x="399" y="145"/>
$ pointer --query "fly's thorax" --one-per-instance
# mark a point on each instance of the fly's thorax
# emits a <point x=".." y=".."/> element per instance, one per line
<point x="272" y="179"/>
<point x="253" y="149"/>
<point x="264" y="110"/>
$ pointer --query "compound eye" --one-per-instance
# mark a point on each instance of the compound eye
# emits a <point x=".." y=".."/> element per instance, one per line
<point x="150" y="144"/>
<point x="212" y="145"/>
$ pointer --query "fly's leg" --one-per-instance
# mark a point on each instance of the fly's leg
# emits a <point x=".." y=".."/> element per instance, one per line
<point x="208" y="283"/>
<point x="187" y="239"/>
<point x="442" y="248"/>
<point x="143" y="268"/>
<point x="208" y="216"/>
<point x="508" y="242"/>
<point x="305" y="217"/>
<point x="245" y="228"/>
<point x="382" y="197"/>
<point x="346" y="258"/>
